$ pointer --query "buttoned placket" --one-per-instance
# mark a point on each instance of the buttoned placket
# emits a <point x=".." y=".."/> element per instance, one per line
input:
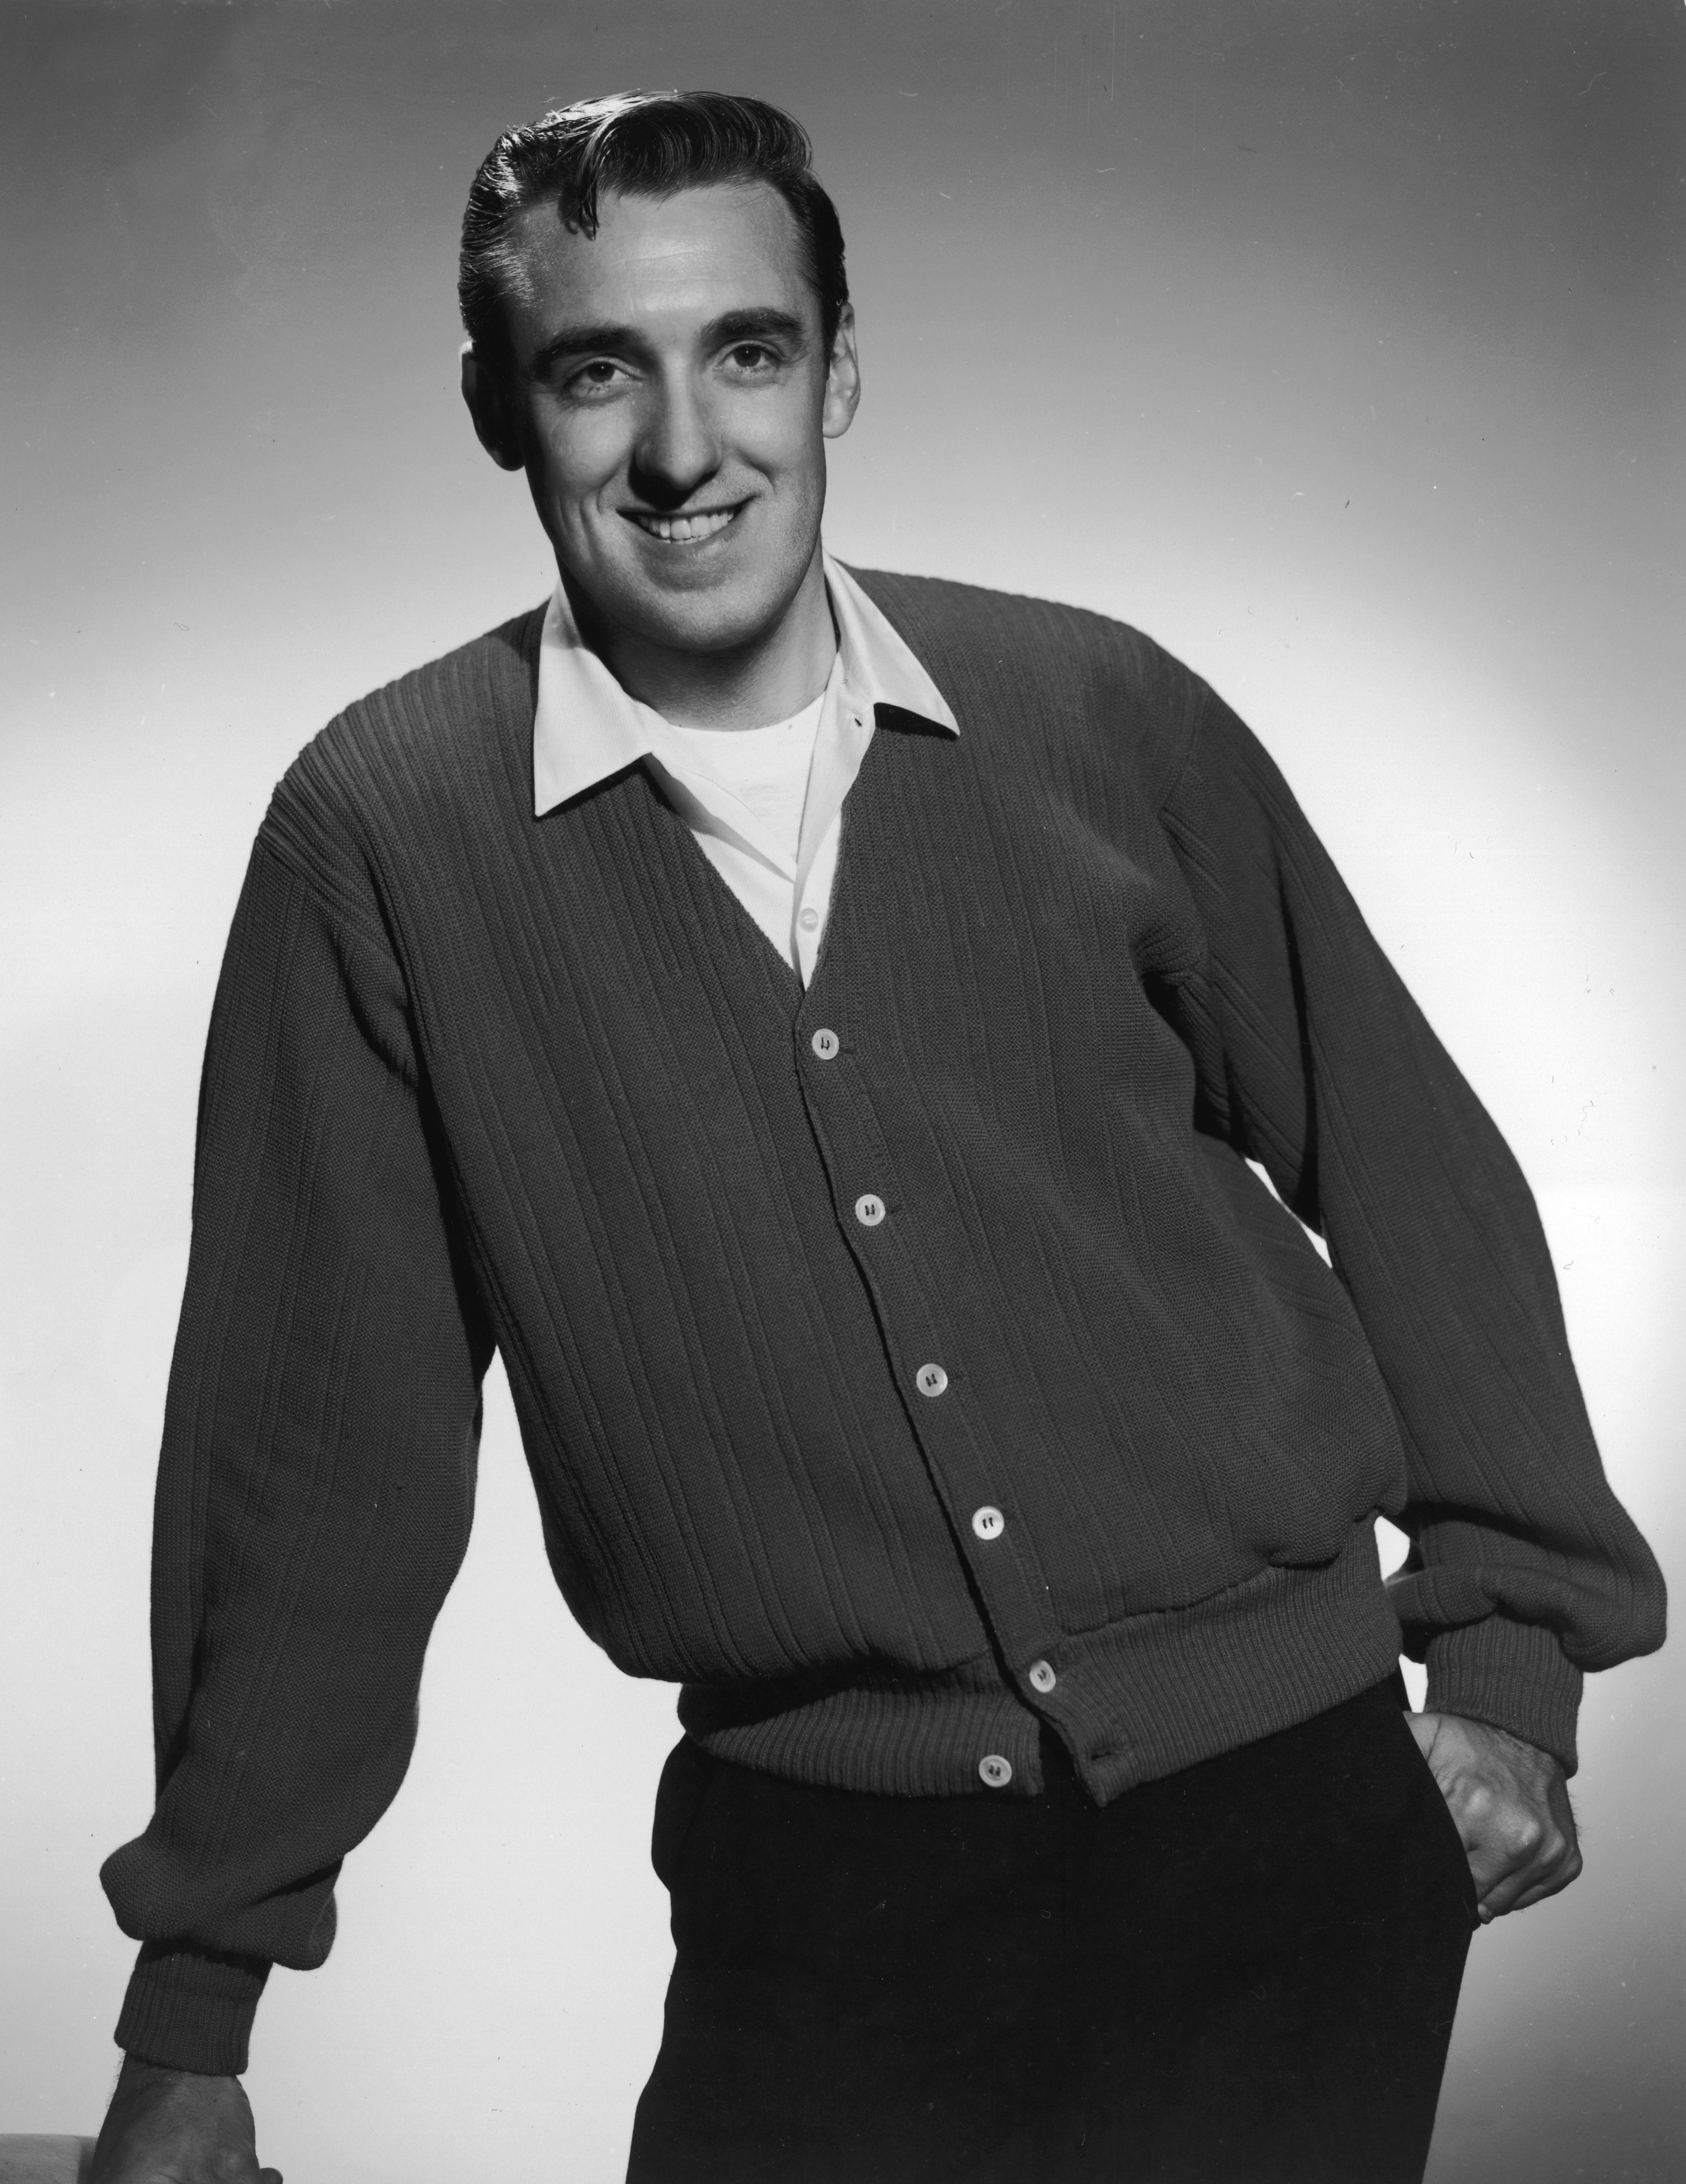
<point x="959" y="1454"/>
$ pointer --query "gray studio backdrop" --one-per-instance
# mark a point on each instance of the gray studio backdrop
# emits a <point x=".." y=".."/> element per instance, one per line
<point x="1338" y="345"/>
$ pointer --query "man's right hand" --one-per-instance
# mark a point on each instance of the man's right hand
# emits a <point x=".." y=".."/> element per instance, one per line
<point x="177" y="2127"/>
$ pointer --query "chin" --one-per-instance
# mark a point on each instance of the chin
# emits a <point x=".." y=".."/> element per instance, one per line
<point x="702" y="623"/>
<point x="711" y="612"/>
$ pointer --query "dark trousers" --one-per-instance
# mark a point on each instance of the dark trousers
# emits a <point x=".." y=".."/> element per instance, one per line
<point x="1245" y="1974"/>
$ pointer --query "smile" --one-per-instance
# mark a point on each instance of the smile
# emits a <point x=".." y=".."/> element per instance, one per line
<point x="682" y="529"/>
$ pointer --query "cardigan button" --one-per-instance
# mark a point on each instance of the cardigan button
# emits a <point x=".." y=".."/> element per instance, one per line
<point x="988" y="1523"/>
<point x="931" y="1380"/>
<point x="996" y="1772"/>
<point x="1042" y="1675"/>
<point x="825" y="1043"/>
<point x="869" y="1209"/>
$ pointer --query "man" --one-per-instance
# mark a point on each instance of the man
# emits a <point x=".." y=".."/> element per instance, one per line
<point x="816" y="1026"/>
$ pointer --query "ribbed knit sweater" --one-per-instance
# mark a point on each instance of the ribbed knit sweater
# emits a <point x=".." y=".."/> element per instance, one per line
<point x="475" y="1079"/>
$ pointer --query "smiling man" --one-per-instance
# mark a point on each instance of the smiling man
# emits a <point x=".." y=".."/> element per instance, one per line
<point x="829" y="1032"/>
<point x="665" y="374"/>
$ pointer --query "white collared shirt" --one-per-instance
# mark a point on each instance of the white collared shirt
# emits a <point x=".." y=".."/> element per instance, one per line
<point x="586" y="728"/>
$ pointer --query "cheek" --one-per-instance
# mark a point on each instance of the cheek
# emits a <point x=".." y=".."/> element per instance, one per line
<point x="788" y="445"/>
<point x="579" y="462"/>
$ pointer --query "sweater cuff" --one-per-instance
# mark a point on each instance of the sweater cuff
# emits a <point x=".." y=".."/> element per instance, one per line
<point x="189" y="2010"/>
<point x="1511" y="1674"/>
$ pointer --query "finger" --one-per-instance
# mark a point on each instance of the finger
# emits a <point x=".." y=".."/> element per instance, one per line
<point x="1540" y="1894"/>
<point x="1506" y="1893"/>
<point x="1524" y="1890"/>
<point x="1530" y="1882"/>
<point x="1511" y="1842"/>
<point x="1502" y="1869"/>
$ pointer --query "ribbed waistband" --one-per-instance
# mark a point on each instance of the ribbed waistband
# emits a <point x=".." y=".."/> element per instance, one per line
<point x="1132" y="1700"/>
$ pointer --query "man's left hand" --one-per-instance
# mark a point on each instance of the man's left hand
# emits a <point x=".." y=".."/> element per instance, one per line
<point x="1510" y="1804"/>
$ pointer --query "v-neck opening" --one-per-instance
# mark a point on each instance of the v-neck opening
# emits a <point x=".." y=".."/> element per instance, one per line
<point x="715" y="882"/>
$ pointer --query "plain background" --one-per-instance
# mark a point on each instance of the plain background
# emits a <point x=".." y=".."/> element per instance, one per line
<point x="1338" y="345"/>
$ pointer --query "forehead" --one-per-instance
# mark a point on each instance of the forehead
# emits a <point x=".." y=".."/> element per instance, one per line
<point x="660" y="263"/>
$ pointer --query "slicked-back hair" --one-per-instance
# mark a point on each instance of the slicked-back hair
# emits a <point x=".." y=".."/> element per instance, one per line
<point x="643" y="144"/>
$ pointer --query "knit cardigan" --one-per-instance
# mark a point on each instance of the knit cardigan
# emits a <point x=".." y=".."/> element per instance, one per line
<point x="1085" y="1399"/>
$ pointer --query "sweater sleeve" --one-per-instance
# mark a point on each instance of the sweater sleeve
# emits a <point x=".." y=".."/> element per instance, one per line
<point x="315" y="1483"/>
<point x="1525" y="1570"/>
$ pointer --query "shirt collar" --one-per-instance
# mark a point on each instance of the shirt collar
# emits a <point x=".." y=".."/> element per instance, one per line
<point x="585" y="727"/>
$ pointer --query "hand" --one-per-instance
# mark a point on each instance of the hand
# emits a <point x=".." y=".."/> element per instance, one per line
<point x="1510" y="1802"/>
<point x="177" y="2127"/>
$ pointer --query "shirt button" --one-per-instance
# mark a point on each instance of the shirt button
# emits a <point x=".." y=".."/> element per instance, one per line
<point x="825" y="1043"/>
<point x="808" y="920"/>
<point x="1042" y="1677"/>
<point x="996" y="1771"/>
<point x="988" y="1523"/>
<point x="931" y="1380"/>
<point x="869" y="1209"/>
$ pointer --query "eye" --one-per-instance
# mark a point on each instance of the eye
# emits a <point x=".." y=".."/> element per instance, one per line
<point x="752" y="356"/>
<point x="596" y="377"/>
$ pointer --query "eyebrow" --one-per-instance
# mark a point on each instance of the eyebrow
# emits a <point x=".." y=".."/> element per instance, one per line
<point x="758" y="323"/>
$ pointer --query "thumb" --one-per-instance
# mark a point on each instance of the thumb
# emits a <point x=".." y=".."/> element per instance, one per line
<point x="1424" y="1727"/>
<point x="268" y="2176"/>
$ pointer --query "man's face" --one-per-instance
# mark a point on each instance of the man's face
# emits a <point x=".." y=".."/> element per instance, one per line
<point x="670" y="400"/>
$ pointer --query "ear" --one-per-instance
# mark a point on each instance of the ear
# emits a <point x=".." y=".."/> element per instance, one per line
<point x="487" y="395"/>
<point x="842" y="379"/>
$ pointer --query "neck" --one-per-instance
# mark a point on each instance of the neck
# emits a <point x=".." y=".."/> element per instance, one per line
<point x="775" y="674"/>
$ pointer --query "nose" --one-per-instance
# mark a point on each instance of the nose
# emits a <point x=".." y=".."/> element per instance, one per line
<point x="678" y="448"/>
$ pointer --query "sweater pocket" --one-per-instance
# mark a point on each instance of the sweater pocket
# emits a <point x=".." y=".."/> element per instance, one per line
<point x="1317" y="1445"/>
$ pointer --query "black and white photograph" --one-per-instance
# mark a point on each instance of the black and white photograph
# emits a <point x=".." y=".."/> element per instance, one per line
<point x="840" y="1051"/>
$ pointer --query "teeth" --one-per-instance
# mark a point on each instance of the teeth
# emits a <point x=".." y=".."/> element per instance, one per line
<point x="679" y="530"/>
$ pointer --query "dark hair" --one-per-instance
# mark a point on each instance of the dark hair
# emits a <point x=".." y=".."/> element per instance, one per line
<point x="646" y="144"/>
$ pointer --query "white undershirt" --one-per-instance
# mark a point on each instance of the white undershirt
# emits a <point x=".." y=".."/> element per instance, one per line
<point x="765" y="769"/>
<point x="764" y="804"/>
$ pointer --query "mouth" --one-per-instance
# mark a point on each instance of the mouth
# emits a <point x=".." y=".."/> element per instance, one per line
<point x="693" y="530"/>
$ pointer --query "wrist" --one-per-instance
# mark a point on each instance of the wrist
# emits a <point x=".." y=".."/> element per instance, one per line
<point x="1511" y="1676"/>
<point x="189" y="2009"/>
<point x="138" y="2071"/>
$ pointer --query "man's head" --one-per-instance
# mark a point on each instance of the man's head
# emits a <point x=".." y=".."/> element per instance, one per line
<point x="661" y="337"/>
